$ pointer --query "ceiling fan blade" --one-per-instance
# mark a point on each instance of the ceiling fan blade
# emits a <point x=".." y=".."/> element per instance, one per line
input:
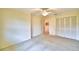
<point x="36" y="9"/>
<point x="49" y="9"/>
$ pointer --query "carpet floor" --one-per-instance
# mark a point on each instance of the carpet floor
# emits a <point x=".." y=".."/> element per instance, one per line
<point x="46" y="43"/>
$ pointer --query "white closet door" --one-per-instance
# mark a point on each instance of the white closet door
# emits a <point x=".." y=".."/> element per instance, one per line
<point x="57" y="26"/>
<point x="77" y="28"/>
<point x="67" y="32"/>
<point x="62" y="27"/>
<point x="73" y="27"/>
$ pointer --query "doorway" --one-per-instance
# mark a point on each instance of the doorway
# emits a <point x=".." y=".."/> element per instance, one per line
<point x="46" y="26"/>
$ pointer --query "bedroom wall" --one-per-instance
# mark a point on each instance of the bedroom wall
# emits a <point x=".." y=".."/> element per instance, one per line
<point x="36" y="25"/>
<point x="52" y="25"/>
<point x="3" y="42"/>
<point x="15" y="27"/>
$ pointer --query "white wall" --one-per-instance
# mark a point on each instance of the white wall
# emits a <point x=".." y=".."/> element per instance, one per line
<point x="17" y="30"/>
<point x="16" y="27"/>
<point x="52" y="25"/>
<point x="36" y="25"/>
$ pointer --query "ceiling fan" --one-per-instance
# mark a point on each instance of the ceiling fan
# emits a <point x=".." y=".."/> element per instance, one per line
<point x="45" y="11"/>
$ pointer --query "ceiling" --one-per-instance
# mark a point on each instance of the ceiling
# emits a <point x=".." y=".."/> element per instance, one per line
<point x="57" y="10"/>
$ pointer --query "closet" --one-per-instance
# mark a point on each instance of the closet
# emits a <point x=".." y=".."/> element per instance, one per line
<point x="67" y="27"/>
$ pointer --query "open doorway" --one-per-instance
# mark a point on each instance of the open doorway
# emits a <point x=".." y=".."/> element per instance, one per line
<point x="45" y="26"/>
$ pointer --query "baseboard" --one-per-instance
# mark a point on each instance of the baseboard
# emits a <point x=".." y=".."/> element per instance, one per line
<point x="14" y="44"/>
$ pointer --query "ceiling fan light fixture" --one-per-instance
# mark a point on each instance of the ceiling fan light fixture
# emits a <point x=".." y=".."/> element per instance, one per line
<point x="44" y="13"/>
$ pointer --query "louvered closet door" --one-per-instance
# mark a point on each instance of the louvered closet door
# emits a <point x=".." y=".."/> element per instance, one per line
<point x="59" y="31"/>
<point x="77" y="28"/>
<point x="73" y="27"/>
<point x="61" y="27"/>
<point x="67" y="32"/>
<point x="57" y="26"/>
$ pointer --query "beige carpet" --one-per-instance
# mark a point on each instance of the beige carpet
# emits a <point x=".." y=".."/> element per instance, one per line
<point x="46" y="43"/>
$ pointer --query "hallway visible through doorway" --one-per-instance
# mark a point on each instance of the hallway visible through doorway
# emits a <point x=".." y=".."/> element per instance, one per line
<point x="46" y="26"/>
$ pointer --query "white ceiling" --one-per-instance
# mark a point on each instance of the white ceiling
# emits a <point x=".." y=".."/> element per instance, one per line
<point x="57" y="10"/>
